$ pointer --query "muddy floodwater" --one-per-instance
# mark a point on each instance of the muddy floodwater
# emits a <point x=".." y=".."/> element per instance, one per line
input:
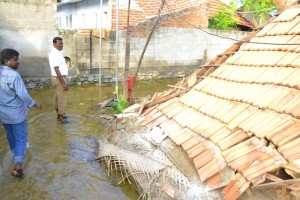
<point x="59" y="160"/>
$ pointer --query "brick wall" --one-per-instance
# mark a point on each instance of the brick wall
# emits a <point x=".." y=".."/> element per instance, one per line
<point x="193" y="17"/>
<point x="143" y="10"/>
<point x="179" y="13"/>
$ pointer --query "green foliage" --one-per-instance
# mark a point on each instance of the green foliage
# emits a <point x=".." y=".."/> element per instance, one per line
<point x="120" y="105"/>
<point x="252" y="5"/>
<point x="223" y="20"/>
<point x="263" y="6"/>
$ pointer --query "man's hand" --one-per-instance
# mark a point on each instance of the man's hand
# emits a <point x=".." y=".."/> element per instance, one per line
<point x="38" y="106"/>
<point x="61" y="79"/>
<point x="66" y="87"/>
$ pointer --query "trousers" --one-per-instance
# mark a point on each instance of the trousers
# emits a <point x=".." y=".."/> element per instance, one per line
<point x="60" y="96"/>
<point x="17" y="138"/>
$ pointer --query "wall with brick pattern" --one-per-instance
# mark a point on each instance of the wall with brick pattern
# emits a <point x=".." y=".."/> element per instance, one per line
<point x="143" y="10"/>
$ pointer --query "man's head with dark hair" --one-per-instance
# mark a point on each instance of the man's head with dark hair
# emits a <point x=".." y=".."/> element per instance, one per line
<point x="58" y="43"/>
<point x="9" y="57"/>
<point x="56" y="38"/>
<point x="7" y="54"/>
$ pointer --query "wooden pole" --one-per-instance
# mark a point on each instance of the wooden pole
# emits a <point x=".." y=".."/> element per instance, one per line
<point x="127" y="58"/>
<point x="149" y="37"/>
<point x="117" y="49"/>
<point x="100" y="40"/>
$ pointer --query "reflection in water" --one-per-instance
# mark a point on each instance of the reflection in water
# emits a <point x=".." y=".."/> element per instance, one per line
<point x="59" y="160"/>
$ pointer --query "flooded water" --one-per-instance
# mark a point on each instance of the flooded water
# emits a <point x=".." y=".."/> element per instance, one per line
<point x="59" y="160"/>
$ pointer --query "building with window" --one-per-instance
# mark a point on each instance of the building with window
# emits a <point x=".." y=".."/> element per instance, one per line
<point x="82" y="14"/>
<point x="88" y="14"/>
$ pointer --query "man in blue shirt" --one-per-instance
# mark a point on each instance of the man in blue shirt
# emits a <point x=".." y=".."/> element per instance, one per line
<point x="14" y="107"/>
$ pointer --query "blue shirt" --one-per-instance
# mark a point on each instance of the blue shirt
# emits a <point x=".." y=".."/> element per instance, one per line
<point x="14" y="98"/>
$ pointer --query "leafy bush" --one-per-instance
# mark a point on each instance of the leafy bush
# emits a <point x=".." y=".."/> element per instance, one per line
<point x="223" y="20"/>
<point x="253" y="5"/>
<point x="263" y="8"/>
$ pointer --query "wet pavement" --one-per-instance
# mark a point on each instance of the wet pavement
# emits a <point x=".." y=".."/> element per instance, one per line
<point x="59" y="160"/>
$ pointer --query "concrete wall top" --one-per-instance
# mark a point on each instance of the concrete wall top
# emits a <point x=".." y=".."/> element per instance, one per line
<point x="30" y="32"/>
<point x="32" y="2"/>
<point x="30" y="16"/>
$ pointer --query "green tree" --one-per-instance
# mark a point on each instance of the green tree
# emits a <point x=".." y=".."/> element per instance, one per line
<point x="223" y="20"/>
<point x="255" y="5"/>
<point x="263" y="8"/>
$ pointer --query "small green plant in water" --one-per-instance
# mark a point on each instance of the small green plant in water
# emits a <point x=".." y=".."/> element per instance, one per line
<point x="120" y="105"/>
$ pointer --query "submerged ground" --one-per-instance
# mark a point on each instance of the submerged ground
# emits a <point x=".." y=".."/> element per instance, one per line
<point x="59" y="160"/>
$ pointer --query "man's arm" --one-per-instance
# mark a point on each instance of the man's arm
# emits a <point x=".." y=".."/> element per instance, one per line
<point x="62" y="81"/>
<point x="23" y="94"/>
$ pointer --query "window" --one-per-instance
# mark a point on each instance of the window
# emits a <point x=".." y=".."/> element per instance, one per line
<point x="67" y="21"/>
<point x="83" y="20"/>
<point x="59" y="21"/>
<point x="70" y="21"/>
<point x="96" y="21"/>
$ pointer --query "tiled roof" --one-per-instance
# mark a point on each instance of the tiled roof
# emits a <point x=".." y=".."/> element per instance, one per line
<point x="239" y="120"/>
<point x="284" y="4"/>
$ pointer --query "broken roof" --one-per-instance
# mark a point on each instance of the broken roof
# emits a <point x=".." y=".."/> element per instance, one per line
<point x="238" y="117"/>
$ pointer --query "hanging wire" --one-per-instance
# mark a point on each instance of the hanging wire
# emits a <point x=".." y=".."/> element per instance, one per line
<point x="242" y="41"/>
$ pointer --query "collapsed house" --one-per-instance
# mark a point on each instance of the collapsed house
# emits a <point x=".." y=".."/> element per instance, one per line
<point x="237" y="118"/>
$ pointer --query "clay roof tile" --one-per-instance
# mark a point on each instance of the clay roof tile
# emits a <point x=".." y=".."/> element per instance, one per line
<point x="244" y="115"/>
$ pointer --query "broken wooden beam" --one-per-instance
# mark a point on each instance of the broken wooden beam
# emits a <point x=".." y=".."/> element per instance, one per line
<point x="283" y="183"/>
<point x="210" y="65"/>
<point x="272" y="177"/>
<point x="226" y="54"/>
<point x="178" y="87"/>
<point x="142" y="107"/>
<point x="163" y="99"/>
